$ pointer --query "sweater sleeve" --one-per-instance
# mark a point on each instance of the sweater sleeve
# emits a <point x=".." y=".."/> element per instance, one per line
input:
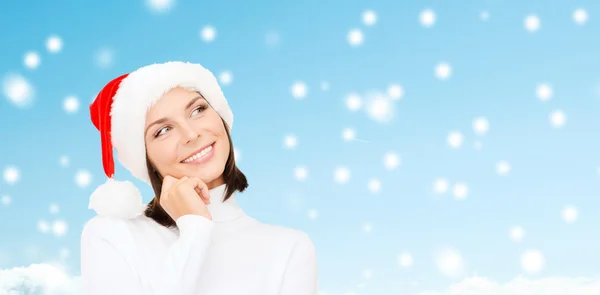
<point x="109" y="264"/>
<point x="300" y="276"/>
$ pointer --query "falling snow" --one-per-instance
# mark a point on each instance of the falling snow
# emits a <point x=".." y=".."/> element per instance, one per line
<point x="405" y="259"/>
<point x="355" y="37"/>
<point x="532" y="23"/>
<point x="299" y="90"/>
<point x="569" y="214"/>
<point x="532" y="261"/>
<point x="226" y="78"/>
<point x="71" y="104"/>
<point x="341" y="175"/>
<point x="369" y="18"/>
<point x="32" y="60"/>
<point x="104" y="58"/>
<point x="455" y="139"/>
<point x="427" y="18"/>
<point x="208" y="34"/>
<point x="18" y="90"/>
<point x="11" y="175"/>
<point x="391" y="160"/>
<point x="580" y="16"/>
<point x="557" y="118"/>
<point x="301" y="173"/>
<point x="290" y="141"/>
<point x="353" y="102"/>
<point x="83" y="178"/>
<point x="54" y="44"/>
<point x="516" y="233"/>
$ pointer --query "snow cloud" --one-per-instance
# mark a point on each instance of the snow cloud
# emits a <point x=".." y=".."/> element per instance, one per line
<point x="39" y="279"/>
<point x="523" y="286"/>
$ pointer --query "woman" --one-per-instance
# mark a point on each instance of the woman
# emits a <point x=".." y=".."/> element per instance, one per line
<point x="170" y="126"/>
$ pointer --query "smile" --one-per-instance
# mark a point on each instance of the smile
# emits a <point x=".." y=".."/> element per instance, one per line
<point x="200" y="156"/>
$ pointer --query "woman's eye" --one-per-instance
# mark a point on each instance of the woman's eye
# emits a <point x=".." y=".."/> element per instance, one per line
<point x="161" y="131"/>
<point x="198" y="110"/>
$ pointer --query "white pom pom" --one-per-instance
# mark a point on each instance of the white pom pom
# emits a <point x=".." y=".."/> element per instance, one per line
<point x="120" y="199"/>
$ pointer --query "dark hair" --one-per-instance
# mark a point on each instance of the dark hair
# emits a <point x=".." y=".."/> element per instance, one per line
<point x="234" y="179"/>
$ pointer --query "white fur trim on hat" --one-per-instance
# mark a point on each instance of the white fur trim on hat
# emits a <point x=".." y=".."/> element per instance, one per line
<point x="144" y="87"/>
<point x="117" y="199"/>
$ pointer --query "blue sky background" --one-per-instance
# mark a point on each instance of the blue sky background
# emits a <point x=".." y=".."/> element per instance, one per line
<point x="269" y="45"/>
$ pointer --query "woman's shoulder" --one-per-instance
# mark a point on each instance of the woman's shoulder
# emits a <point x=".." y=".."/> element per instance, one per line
<point x="112" y="228"/>
<point x="281" y="234"/>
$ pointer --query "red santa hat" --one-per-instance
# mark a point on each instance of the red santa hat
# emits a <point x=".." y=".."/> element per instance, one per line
<point x="119" y="114"/>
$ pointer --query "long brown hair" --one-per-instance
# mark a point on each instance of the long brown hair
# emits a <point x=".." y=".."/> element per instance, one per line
<point x="234" y="179"/>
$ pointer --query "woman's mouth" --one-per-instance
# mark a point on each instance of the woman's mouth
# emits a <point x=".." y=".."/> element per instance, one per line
<point x="201" y="156"/>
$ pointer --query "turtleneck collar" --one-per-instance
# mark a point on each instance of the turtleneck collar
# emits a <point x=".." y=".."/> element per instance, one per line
<point x="223" y="211"/>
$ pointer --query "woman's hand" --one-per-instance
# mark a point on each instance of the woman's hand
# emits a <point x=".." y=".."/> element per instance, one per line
<point x="188" y="195"/>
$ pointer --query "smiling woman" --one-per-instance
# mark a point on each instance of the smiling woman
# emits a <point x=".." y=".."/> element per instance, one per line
<point x="170" y="125"/>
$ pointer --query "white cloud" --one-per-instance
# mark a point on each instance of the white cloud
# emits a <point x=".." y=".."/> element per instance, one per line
<point x="522" y="286"/>
<point x="42" y="279"/>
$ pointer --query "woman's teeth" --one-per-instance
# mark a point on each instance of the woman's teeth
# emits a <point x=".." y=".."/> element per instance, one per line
<point x="199" y="155"/>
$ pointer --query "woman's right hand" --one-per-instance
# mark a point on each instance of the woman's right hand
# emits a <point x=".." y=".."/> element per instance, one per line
<point x="188" y="195"/>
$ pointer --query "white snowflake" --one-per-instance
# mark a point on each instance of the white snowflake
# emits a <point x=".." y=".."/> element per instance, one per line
<point x="160" y="5"/>
<point x="43" y="226"/>
<point x="374" y="185"/>
<point x="455" y="139"/>
<point x="484" y="15"/>
<point x="71" y="104"/>
<point x="5" y="200"/>
<point x="369" y="17"/>
<point x="503" y="168"/>
<point x="405" y="259"/>
<point x="441" y="185"/>
<point x="313" y="214"/>
<point x="341" y="175"/>
<point x="460" y="190"/>
<point x="272" y="38"/>
<point x="532" y="23"/>
<point x="54" y="208"/>
<point x="481" y="125"/>
<point x="83" y="178"/>
<point x="355" y="37"/>
<point x="64" y="253"/>
<point x="226" y="77"/>
<point x="12" y="174"/>
<point x="379" y="108"/>
<point x="54" y="44"/>
<point x="59" y="228"/>
<point x="208" y="34"/>
<point x="395" y="91"/>
<point x="544" y="91"/>
<point x="580" y="16"/>
<point x="443" y="71"/>
<point x="104" y="58"/>
<point x="64" y="161"/>
<point x="290" y="141"/>
<point x="348" y="134"/>
<point x="427" y="18"/>
<point x="367" y="227"/>
<point x="353" y="102"/>
<point x="299" y="90"/>
<point x="18" y="90"/>
<point x="31" y="60"/>
<point x="301" y="173"/>
<point x="557" y="118"/>
<point x="449" y="263"/>
<point x="391" y="160"/>
<point x="569" y="214"/>
<point x="324" y="85"/>
<point x="532" y="261"/>
<point x="517" y="233"/>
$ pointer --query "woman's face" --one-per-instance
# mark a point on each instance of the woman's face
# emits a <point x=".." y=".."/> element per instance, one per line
<point x="186" y="137"/>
